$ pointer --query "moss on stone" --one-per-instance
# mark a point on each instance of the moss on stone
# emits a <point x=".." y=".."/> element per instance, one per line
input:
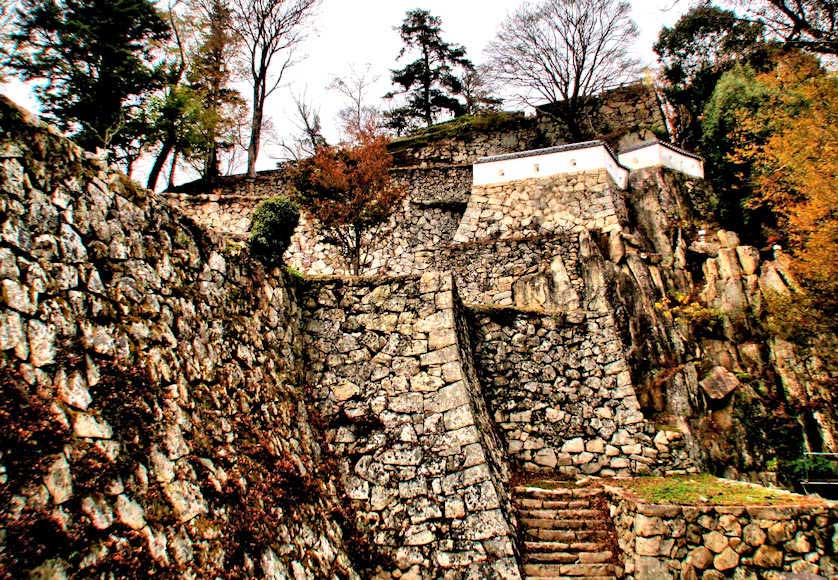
<point x="460" y="127"/>
<point x="705" y="489"/>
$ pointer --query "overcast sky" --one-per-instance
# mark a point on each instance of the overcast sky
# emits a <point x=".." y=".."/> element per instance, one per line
<point x="359" y="32"/>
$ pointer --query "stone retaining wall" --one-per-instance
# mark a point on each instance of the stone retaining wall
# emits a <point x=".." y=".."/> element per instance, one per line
<point x="519" y="134"/>
<point x="389" y="362"/>
<point x="529" y="207"/>
<point x="527" y="272"/>
<point x="399" y="246"/>
<point x="225" y="214"/>
<point x="152" y="419"/>
<point x="662" y="542"/>
<point x="430" y="186"/>
<point x="625" y="116"/>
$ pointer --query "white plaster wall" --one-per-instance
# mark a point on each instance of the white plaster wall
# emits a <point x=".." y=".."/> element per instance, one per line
<point x="562" y="162"/>
<point x="658" y="155"/>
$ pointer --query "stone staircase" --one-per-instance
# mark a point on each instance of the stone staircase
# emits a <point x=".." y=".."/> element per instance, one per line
<point x="566" y="532"/>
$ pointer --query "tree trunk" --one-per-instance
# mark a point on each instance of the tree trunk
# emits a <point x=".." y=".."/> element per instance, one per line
<point x="211" y="171"/>
<point x="172" y="169"/>
<point x="429" y="120"/>
<point x="356" y="252"/>
<point x="255" y="127"/>
<point x="154" y="174"/>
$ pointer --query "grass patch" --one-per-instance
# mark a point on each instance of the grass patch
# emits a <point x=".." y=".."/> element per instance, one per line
<point x="708" y="490"/>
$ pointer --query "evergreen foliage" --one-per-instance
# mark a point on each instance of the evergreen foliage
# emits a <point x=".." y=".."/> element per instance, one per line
<point x="429" y="82"/>
<point x="223" y="108"/>
<point x="695" y="53"/>
<point x="272" y="225"/>
<point x="736" y="90"/>
<point x="93" y="59"/>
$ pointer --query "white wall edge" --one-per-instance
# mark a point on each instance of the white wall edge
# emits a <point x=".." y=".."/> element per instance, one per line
<point x="539" y="166"/>
<point x="657" y="154"/>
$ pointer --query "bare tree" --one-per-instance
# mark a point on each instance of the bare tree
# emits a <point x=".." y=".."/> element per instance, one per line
<point x="478" y="91"/>
<point x="309" y="136"/>
<point x="269" y="31"/>
<point x="565" y="52"/>
<point x="355" y="88"/>
<point x="807" y="24"/>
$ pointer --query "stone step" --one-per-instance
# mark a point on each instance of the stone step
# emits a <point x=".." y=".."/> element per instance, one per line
<point x="602" y="557"/>
<point x="573" y="570"/>
<point x="531" y="547"/>
<point x="567" y="536"/>
<point x="559" y="523"/>
<point x="542" y="493"/>
<point x="563" y="514"/>
<point x="572" y="504"/>
<point x="557" y="493"/>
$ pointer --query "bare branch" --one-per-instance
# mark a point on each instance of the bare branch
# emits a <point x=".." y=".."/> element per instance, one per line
<point x="354" y="87"/>
<point x="269" y="31"/>
<point x="565" y="52"/>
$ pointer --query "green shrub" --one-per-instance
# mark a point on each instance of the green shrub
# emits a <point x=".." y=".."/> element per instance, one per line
<point x="271" y="228"/>
<point x="811" y="467"/>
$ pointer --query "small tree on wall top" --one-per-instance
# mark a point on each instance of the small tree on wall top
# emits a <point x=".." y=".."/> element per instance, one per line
<point x="349" y="192"/>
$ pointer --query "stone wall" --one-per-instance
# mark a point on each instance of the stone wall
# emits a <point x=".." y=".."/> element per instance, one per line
<point x="511" y="134"/>
<point x="227" y="214"/>
<point x="668" y="542"/>
<point x="390" y="367"/>
<point x="624" y="116"/>
<point x="266" y="184"/>
<point x="152" y="419"/>
<point x="426" y="218"/>
<point x="525" y="272"/>
<point x="435" y="185"/>
<point x="556" y="376"/>
<point x="529" y="207"/>
<point x="561" y="394"/>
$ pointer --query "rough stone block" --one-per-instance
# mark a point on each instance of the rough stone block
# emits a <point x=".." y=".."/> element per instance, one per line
<point x="574" y="446"/>
<point x="447" y="398"/>
<point x="440" y="357"/>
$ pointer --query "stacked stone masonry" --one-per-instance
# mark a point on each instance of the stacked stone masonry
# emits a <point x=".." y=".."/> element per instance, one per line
<point x="169" y="375"/>
<point x="226" y="214"/>
<point x="669" y="542"/>
<point x="151" y="411"/>
<point x="390" y="367"/>
<point x="426" y="218"/>
<point x="562" y="396"/>
<point x="571" y="202"/>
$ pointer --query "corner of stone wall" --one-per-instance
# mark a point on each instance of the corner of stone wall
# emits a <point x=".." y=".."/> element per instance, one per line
<point x="389" y="368"/>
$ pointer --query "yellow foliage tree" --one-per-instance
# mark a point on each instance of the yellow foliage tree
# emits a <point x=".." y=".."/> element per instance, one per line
<point x="791" y="143"/>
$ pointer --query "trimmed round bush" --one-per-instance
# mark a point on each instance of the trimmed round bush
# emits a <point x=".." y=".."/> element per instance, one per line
<point x="271" y="227"/>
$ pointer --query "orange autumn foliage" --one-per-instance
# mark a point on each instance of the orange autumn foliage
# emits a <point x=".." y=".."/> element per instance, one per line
<point x="791" y="142"/>
<point x="349" y="192"/>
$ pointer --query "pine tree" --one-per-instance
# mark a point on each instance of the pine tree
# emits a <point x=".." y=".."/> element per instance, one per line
<point x="210" y="76"/>
<point x="429" y="82"/>
<point x="92" y="58"/>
